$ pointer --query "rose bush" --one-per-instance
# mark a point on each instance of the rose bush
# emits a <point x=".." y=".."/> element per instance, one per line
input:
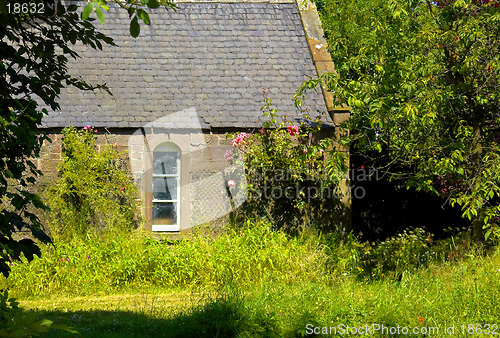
<point x="289" y="180"/>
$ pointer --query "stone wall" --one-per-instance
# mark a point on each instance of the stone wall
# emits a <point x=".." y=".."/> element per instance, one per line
<point x="204" y="170"/>
<point x="203" y="165"/>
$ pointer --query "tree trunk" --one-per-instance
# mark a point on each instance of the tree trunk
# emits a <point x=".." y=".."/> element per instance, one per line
<point x="477" y="229"/>
<point x="477" y="222"/>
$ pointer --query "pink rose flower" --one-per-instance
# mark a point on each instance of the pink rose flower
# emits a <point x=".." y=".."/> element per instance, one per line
<point x="230" y="183"/>
<point x="228" y="155"/>
<point x="293" y="130"/>
<point x="240" y="138"/>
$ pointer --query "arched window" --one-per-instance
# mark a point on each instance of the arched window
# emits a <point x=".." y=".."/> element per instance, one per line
<point x="166" y="188"/>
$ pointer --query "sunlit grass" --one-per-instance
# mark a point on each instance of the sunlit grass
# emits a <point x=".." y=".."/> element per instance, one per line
<point x="439" y="296"/>
<point x="253" y="282"/>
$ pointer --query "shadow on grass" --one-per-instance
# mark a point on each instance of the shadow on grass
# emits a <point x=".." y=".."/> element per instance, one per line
<point x="221" y="317"/>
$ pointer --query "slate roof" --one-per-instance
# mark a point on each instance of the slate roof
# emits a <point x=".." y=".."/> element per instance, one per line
<point x="215" y="57"/>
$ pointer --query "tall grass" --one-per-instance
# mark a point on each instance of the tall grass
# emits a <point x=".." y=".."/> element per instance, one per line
<point x="254" y="281"/>
<point x="441" y="295"/>
<point x="117" y="261"/>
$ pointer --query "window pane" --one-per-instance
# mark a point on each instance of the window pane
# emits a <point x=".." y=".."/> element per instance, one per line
<point x="165" y="163"/>
<point x="164" y="188"/>
<point x="165" y="213"/>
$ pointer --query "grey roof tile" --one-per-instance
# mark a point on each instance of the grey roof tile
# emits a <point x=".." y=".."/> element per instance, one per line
<point x="213" y="56"/>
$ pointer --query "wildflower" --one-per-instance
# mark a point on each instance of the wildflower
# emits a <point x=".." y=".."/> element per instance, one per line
<point x="321" y="152"/>
<point x="228" y="155"/>
<point x="62" y="259"/>
<point x="420" y="319"/>
<point x="88" y="256"/>
<point x="115" y="144"/>
<point x="122" y="188"/>
<point x="230" y="183"/>
<point x="293" y="130"/>
<point x="67" y="259"/>
<point x="87" y="127"/>
<point x="304" y="151"/>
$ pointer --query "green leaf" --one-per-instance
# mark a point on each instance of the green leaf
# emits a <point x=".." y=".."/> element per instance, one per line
<point x="44" y="322"/>
<point x="144" y="16"/>
<point x="72" y="8"/>
<point x="135" y="29"/>
<point x="72" y="37"/>
<point x="130" y="10"/>
<point x="153" y="4"/>
<point x="87" y="10"/>
<point x="100" y="14"/>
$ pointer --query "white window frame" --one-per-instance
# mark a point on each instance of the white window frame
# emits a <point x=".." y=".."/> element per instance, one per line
<point x="168" y="147"/>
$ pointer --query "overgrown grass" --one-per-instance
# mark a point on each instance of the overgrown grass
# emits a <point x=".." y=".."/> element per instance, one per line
<point x="133" y="261"/>
<point x="442" y="295"/>
<point x="254" y="282"/>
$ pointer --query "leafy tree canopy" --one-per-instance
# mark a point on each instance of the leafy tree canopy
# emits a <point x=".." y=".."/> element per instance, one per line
<point x="423" y="79"/>
<point x="36" y="39"/>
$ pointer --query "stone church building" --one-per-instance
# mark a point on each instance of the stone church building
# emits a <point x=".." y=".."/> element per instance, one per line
<point x="190" y="77"/>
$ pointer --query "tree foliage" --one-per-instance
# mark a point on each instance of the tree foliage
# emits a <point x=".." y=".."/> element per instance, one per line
<point x="36" y="39"/>
<point x="423" y="79"/>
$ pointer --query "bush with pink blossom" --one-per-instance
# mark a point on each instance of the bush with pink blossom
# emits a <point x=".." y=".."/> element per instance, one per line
<point x="292" y="178"/>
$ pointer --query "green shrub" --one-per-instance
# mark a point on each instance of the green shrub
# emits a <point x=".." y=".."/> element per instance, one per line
<point x="402" y="253"/>
<point x="94" y="190"/>
<point x="398" y="255"/>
